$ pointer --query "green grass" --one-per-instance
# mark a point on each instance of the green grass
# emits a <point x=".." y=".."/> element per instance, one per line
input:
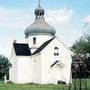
<point x="38" y="86"/>
<point x="30" y="87"/>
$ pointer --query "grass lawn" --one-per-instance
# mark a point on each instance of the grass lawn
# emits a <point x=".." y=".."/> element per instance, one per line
<point x="37" y="86"/>
<point x="31" y="87"/>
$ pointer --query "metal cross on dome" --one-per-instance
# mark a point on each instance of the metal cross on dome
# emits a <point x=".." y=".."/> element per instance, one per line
<point x="39" y="2"/>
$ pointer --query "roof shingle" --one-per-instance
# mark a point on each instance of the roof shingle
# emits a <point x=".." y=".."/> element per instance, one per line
<point x="22" y="49"/>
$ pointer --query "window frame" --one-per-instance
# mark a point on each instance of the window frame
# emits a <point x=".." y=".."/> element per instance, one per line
<point x="56" y="51"/>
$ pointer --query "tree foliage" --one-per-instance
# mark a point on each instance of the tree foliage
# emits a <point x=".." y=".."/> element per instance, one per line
<point x="82" y="46"/>
<point x="4" y="66"/>
<point x="80" y="69"/>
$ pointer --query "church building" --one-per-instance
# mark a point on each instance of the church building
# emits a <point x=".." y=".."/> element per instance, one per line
<point x="44" y="58"/>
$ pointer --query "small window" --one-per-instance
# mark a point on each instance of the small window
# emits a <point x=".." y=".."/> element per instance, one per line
<point x="56" y="48"/>
<point x="56" y="54"/>
<point x="34" y="40"/>
<point x="56" y="51"/>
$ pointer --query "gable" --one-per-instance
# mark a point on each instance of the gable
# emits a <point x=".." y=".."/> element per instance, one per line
<point x="63" y="50"/>
<point x="22" y="49"/>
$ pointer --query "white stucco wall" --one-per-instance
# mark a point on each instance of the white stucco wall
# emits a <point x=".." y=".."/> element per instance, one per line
<point x="25" y="69"/>
<point x="13" y="69"/>
<point x="37" y="68"/>
<point x="22" y="68"/>
<point x="40" y="39"/>
<point x="49" y="58"/>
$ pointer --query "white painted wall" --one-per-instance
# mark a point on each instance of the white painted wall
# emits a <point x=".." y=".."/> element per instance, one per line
<point x="49" y="59"/>
<point x="25" y="69"/>
<point x="40" y="39"/>
<point x="22" y="68"/>
<point x="37" y="68"/>
<point x="13" y="69"/>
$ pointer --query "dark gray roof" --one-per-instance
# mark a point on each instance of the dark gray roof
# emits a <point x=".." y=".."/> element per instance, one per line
<point x="22" y="49"/>
<point x="42" y="46"/>
<point x="39" y="27"/>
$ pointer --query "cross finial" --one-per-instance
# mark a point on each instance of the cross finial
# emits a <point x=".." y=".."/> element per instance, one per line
<point x="39" y="2"/>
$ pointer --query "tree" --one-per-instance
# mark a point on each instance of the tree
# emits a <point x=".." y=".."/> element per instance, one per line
<point x="4" y="66"/>
<point x="82" y="46"/>
<point x="79" y="67"/>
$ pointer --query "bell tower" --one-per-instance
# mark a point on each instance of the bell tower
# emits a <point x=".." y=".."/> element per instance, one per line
<point x="39" y="31"/>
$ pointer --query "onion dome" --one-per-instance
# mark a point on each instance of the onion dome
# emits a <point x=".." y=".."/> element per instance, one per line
<point x="39" y="27"/>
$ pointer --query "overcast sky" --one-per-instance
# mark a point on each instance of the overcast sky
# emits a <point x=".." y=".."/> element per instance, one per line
<point x="66" y="16"/>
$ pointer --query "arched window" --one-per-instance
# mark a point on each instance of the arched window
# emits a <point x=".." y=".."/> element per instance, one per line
<point x="34" y="40"/>
<point x="56" y="48"/>
<point x="56" y="51"/>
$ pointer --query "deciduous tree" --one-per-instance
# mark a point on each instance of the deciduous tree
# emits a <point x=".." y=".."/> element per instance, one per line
<point x="4" y="66"/>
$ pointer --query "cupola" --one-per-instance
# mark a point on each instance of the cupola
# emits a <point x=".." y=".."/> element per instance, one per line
<point x="40" y="26"/>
